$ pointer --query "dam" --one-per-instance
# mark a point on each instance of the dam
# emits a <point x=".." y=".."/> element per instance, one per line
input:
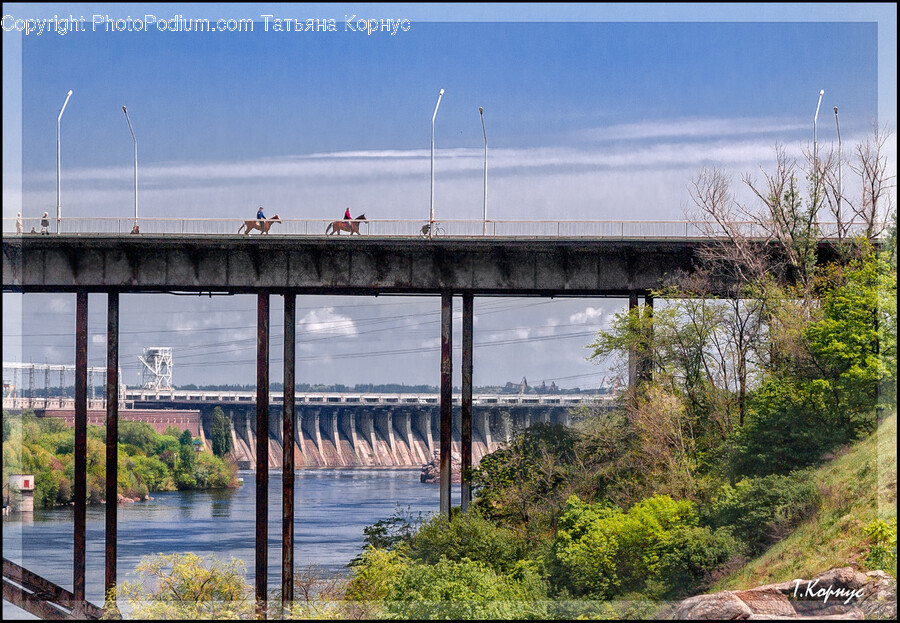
<point x="402" y="434"/>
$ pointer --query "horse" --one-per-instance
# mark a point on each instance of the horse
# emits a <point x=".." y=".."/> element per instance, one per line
<point x="262" y="226"/>
<point x="336" y="227"/>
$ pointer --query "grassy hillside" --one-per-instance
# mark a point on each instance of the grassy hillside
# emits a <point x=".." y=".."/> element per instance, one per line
<point x="858" y="486"/>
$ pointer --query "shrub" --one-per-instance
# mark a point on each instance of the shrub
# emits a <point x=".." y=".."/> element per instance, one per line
<point x="761" y="511"/>
<point x="138" y="434"/>
<point x="599" y="551"/>
<point x="463" y="589"/>
<point x="883" y="552"/>
<point x="468" y="535"/>
<point x="790" y="425"/>
<point x="691" y="556"/>
<point x="187" y="586"/>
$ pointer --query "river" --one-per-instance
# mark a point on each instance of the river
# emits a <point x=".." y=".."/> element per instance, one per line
<point x="332" y="506"/>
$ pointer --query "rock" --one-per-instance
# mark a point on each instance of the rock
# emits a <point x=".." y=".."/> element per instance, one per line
<point x="879" y="600"/>
<point x="431" y="471"/>
<point x="841" y="593"/>
<point x="719" y="606"/>
<point x="767" y="601"/>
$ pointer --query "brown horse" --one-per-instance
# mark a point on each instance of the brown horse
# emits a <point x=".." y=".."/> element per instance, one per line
<point x="336" y="227"/>
<point x="262" y="226"/>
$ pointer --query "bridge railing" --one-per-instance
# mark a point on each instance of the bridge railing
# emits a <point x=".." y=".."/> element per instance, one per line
<point x="456" y="228"/>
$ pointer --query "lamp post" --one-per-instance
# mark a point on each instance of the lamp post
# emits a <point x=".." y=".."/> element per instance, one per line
<point x="133" y="138"/>
<point x="431" y="219"/>
<point x="58" y="201"/>
<point x="815" y="139"/>
<point x="484" y="225"/>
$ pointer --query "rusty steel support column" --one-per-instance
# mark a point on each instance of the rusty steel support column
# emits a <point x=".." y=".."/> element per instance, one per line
<point x="466" y="407"/>
<point x="80" y="487"/>
<point x="112" y="438"/>
<point x="446" y="399"/>
<point x="632" y="355"/>
<point x="262" y="450"/>
<point x="647" y="363"/>
<point x="287" y="493"/>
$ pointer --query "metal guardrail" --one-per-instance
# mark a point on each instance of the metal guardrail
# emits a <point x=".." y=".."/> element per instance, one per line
<point x="472" y="229"/>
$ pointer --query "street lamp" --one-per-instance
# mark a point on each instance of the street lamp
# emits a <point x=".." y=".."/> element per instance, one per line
<point x="484" y="225"/>
<point x="58" y="202"/>
<point x="135" y="230"/>
<point x="815" y="140"/>
<point x="431" y="220"/>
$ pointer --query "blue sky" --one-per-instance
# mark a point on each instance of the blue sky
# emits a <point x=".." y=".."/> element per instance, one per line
<point x="591" y="112"/>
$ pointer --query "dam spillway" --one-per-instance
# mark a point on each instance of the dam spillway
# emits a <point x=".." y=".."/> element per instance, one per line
<point x="401" y="435"/>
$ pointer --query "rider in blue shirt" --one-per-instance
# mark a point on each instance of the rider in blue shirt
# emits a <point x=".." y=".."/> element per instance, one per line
<point x="259" y="214"/>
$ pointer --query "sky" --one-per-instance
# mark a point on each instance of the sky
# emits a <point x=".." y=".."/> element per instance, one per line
<point x="591" y="112"/>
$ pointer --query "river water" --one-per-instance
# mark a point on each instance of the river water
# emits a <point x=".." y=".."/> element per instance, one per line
<point x="332" y="506"/>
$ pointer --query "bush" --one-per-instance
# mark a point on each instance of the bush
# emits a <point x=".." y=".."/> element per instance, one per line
<point x="373" y="573"/>
<point x="463" y="589"/>
<point x="690" y="557"/>
<point x="790" y="425"/>
<point x="186" y="587"/>
<point x="468" y="535"/>
<point x="761" y="511"/>
<point x="883" y="552"/>
<point x="599" y="551"/>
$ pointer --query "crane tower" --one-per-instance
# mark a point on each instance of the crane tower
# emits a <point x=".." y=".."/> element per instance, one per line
<point x="157" y="370"/>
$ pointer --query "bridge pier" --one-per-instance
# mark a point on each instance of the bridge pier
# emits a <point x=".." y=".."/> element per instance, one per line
<point x="466" y="408"/>
<point x="79" y="489"/>
<point x="446" y="400"/>
<point x="287" y="440"/>
<point x="112" y="438"/>
<point x="262" y="451"/>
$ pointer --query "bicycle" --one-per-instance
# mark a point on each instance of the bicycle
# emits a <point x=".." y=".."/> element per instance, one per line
<point x="429" y="230"/>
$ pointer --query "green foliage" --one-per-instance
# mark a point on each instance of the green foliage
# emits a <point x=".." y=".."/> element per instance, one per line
<point x="656" y="548"/>
<point x="790" y="425"/>
<point x="147" y="461"/>
<point x="172" y="431"/>
<point x="137" y="434"/>
<point x="373" y="574"/>
<point x="883" y="551"/>
<point x="761" y="511"/>
<point x="395" y="532"/>
<point x="825" y="395"/>
<point x="855" y="343"/>
<point x="186" y="587"/>
<point x="468" y="535"/>
<point x="220" y="433"/>
<point x="520" y="483"/>
<point x="690" y="556"/>
<point x="463" y="589"/>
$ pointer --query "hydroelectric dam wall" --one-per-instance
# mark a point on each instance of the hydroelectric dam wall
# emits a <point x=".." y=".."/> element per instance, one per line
<point x="399" y="435"/>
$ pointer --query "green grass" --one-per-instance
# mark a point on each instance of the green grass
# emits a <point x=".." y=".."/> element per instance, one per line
<point x="858" y="486"/>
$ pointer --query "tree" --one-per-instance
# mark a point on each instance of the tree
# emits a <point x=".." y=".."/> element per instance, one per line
<point x="220" y="433"/>
<point x="186" y="587"/>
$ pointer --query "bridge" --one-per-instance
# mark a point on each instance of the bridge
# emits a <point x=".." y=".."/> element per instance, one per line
<point x="466" y="259"/>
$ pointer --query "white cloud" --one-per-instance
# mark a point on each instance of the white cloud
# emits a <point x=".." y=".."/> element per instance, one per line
<point x="589" y="314"/>
<point x="327" y="321"/>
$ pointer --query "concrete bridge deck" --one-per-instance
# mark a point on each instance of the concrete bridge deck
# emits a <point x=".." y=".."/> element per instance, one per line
<point x="358" y="265"/>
